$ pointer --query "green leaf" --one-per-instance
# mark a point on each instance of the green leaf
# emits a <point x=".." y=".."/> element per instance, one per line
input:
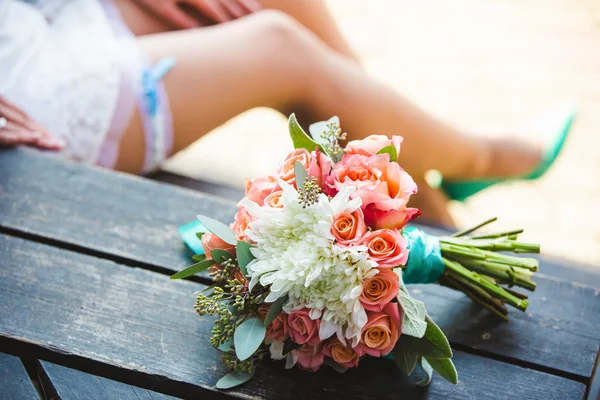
<point x="275" y="310"/>
<point x="428" y="371"/>
<point x="244" y="255"/>
<point x="220" y="256"/>
<point x="199" y="257"/>
<point x="405" y="359"/>
<point x="391" y="150"/>
<point x="336" y="367"/>
<point x="199" y="235"/>
<point x="413" y="323"/>
<point x="445" y="368"/>
<point x="218" y="228"/>
<point x="233" y="379"/>
<point x="248" y="337"/>
<point x="433" y="344"/>
<point x="193" y="269"/>
<point x="299" y="138"/>
<point x="301" y="175"/>
<point x="289" y="346"/>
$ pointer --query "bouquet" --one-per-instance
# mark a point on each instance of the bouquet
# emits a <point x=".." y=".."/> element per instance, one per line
<point x="314" y="267"/>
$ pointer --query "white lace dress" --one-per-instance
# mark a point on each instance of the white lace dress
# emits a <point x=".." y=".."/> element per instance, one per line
<point x="61" y="61"/>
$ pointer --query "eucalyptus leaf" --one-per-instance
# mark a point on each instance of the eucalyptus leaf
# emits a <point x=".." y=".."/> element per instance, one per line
<point x="391" y="150"/>
<point x="433" y="343"/>
<point x="301" y="175"/>
<point x="318" y="130"/>
<point x="218" y="228"/>
<point x="428" y="371"/>
<point x="336" y="367"/>
<point x="405" y="359"/>
<point x="199" y="257"/>
<point x="220" y="256"/>
<point x="445" y="368"/>
<point x="299" y="138"/>
<point x="275" y="309"/>
<point x="413" y="322"/>
<point x="193" y="269"/>
<point x="248" y="337"/>
<point x="244" y="255"/>
<point x="233" y="379"/>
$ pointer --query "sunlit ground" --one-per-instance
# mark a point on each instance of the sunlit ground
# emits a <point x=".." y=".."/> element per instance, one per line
<point x="486" y="65"/>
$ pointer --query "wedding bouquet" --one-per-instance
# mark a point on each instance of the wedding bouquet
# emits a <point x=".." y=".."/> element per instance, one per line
<point x="314" y="267"/>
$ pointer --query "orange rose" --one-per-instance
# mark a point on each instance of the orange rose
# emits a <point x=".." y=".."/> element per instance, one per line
<point x="211" y="242"/>
<point x="274" y="200"/>
<point x="278" y="329"/>
<point x="387" y="247"/>
<point x="241" y="220"/>
<point x="258" y="189"/>
<point x="380" y="334"/>
<point x="349" y="228"/>
<point x="316" y="164"/>
<point x="345" y="356"/>
<point x="379" y="290"/>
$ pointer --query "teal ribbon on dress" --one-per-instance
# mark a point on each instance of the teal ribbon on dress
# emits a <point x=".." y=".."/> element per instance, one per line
<point x="188" y="234"/>
<point x="424" y="263"/>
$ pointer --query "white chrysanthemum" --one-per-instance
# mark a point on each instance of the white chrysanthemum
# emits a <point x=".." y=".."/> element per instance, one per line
<point x="296" y="256"/>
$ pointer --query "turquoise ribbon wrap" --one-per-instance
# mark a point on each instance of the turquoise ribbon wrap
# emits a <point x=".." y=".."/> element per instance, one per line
<point x="188" y="234"/>
<point x="424" y="263"/>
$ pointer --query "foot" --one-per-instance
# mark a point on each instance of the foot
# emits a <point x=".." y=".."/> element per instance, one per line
<point x="510" y="158"/>
<point x="433" y="203"/>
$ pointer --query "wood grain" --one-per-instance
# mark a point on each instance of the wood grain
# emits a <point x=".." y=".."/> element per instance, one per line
<point x="137" y="326"/>
<point x="14" y="381"/>
<point x="70" y="384"/>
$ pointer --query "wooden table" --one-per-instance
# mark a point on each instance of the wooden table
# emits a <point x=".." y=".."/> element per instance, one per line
<point x="87" y="310"/>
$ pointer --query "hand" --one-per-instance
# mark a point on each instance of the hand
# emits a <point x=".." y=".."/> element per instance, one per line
<point x="174" y="12"/>
<point x="20" y="129"/>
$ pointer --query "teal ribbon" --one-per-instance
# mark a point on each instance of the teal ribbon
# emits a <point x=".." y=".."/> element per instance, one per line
<point x="188" y="234"/>
<point x="424" y="263"/>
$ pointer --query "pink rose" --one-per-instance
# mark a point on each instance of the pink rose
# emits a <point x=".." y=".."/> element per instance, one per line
<point x="211" y="242"/>
<point x="380" y="334"/>
<point x="345" y="356"/>
<point x="278" y="329"/>
<point x="379" y="290"/>
<point x="241" y="220"/>
<point x="370" y="145"/>
<point x="258" y="189"/>
<point x="387" y="247"/>
<point x="349" y="228"/>
<point x="383" y="186"/>
<point x="303" y="330"/>
<point x="310" y="357"/>
<point x="275" y="199"/>
<point x="317" y="165"/>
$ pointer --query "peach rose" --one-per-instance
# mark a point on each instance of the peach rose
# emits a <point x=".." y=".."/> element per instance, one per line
<point x="383" y="186"/>
<point x="380" y="334"/>
<point x="278" y="329"/>
<point x="274" y="200"/>
<point x="370" y="145"/>
<point x="387" y="247"/>
<point x="258" y="189"/>
<point x="379" y="290"/>
<point x="211" y="242"/>
<point x="241" y="220"/>
<point x="316" y="164"/>
<point x="303" y="329"/>
<point x="349" y="228"/>
<point x="345" y="356"/>
<point x="310" y="357"/>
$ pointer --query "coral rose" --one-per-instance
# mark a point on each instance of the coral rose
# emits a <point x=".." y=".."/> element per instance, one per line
<point x="241" y="220"/>
<point x="383" y="187"/>
<point x="274" y="200"/>
<point x="211" y="242"/>
<point x="387" y="247"/>
<point x="379" y="290"/>
<point x="370" y="145"/>
<point x="278" y="329"/>
<point x="310" y="357"/>
<point x="349" y="228"/>
<point x="380" y="334"/>
<point x="317" y="165"/>
<point x="258" y="189"/>
<point x="343" y="355"/>
<point x="303" y="329"/>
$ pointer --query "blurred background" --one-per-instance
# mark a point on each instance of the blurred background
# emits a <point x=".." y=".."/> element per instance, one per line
<point x="483" y="65"/>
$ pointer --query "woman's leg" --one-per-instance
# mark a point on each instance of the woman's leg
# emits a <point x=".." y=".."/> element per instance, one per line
<point x="221" y="72"/>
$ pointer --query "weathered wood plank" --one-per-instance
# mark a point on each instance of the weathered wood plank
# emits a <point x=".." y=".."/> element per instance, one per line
<point x="73" y="308"/>
<point x="70" y="384"/>
<point x="14" y="381"/>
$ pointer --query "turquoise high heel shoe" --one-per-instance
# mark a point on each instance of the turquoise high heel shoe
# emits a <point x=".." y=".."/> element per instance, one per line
<point x="558" y="120"/>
